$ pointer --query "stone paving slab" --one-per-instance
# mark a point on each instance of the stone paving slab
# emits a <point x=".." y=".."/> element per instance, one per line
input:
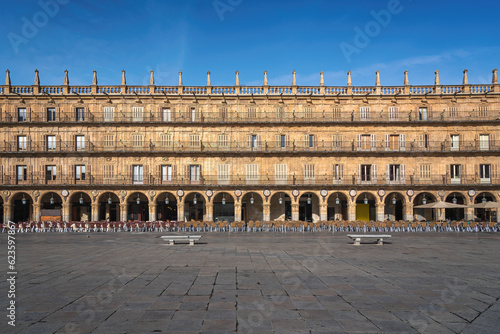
<point x="254" y="283"/>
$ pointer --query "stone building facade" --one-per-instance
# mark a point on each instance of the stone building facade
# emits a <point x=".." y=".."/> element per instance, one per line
<point x="265" y="152"/>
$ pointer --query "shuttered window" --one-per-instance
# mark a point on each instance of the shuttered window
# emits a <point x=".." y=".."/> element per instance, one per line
<point x="252" y="173"/>
<point x="109" y="114"/>
<point x="281" y="173"/>
<point x="137" y="114"/>
<point x="223" y="174"/>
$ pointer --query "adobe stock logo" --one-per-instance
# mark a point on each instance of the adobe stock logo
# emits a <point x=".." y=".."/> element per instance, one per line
<point x="30" y="28"/>
<point x="222" y="6"/>
<point x="372" y="29"/>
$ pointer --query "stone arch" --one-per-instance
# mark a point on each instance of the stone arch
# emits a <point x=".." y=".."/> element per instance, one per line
<point x="281" y="209"/>
<point x="422" y="214"/>
<point x="223" y="206"/>
<point x="80" y="206"/>
<point x="252" y="209"/>
<point x="137" y="210"/>
<point x="337" y="205"/>
<point x="20" y="210"/>
<point x="366" y="205"/>
<point x="195" y="209"/>
<point x="395" y="205"/>
<point x="455" y="213"/>
<point x="109" y="211"/>
<point x="309" y="202"/>
<point x="166" y="209"/>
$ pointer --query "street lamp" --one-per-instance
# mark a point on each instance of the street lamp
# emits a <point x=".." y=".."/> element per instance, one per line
<point x="309" y="199"/>
<point x="81" y="199"/>
<point x="138" y="200"/>
<point x="280" y="200"/>
<point x="337" y="200"/>
<point x="224" y="199"/>
<point x="424" y="200"/>
<point x="167" y="201"/>
<point x="365" y="200"/>
<point x="454" y="199"/>
<point x="393" y="199"/>
<point x="23" y="200"/>
<point x="251" y="200"/>
<point x="195" y="200"/>
<point x="484" y="199"/>
<point x="110" y="201"/>
<point x="51" y="201"/>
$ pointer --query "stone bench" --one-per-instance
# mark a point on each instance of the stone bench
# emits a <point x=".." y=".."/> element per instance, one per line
<point x="172" y="239"/>
<point x="380" y="237"/>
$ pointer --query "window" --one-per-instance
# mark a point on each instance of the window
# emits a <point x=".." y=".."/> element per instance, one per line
<point x="337" y="142"/>
<point x="308" y="113"/>
<point x="194" y="141"/>
<point x="21" y="143"/>
<point x="80" y="114"/>
<point x="252" y="173"/>
<point x="337" y="113"/>
<point x="395" y="173"/>
<point x="51" y="142"/>
<point x="484" y="142"/>
<point x="393" y="113"/>
<point x="223" y="174"/>
<point x="366" y="142"/>
<point x="137" y="114"/>
<point x="194" y="173"/>
<point x="80" y="172"/>
<point x="395" y="142"/>
<point x="282" y="141"/>
<point x="223" y="113"/>
<point x="253" y="141"/>
<point x="166" y="115"/>
<point x="280" y="112"/>
<point x="50" y="173"/>
<point x="109" y="141"/>
<point x="21" y="173"/>
<point x="425" y="171"/>
<point x="422" y="114"/>
<point x="193" y="115"/>
<point x="21" y="115"/>
<point x="109" y="114"/>
<point x="309" y="173"/>
<point x="80" y="142"/>
<point x="51" y="114"/>
<point x="364" y="113"/>
<point x="166" y="173"/>
<point x="338" y="173"/>
<point x="483" y="111"/>
<point x="223" y="141"/>
<point x="455" y="142"/>
<point x="252" y="112"/>
<point x="424" y="141"/>
<point x="137" y="174"/>
<point x="367" y="173"/>
<point x="166" y="140"/>
<point x="453" y="113"/>
<point x="281" y="173"/>
<point x="137" y="141"/>
<point x="455" y="174"/>
<point x="310" y="141"/>
<point x="108" y="173"/>
<point x="485" y="173"/>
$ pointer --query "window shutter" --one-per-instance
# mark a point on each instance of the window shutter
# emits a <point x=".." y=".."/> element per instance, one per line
<point x="492" y="141"/>
<point x="374" y="173"/>
<point x="287" y="139"/>
<point x="402" y="142"/>
<point x="403" y="174"/>
<point x="88" y="173"/>
<point x="259" y="139"/>
<point x="201" y="174"/>
<point x="41" y="174"/>
<point x="476" y="173"/>
<point x="387" y="173"/>
<point x="174" y="172"/>
<point x="387" y="142"/>
<point x="359" y="173"/>
<point x="494" y="172"/>
<point x="145" y="175"/>
<point x="44" y="142"/>
<point x="339" y="141"/>
<point x="28" y="114"/>
<point x="58" y="114"/>
<point x="463" y="172"/>
<point x="373" y="139"/>
<point x="278" y="141"/>
<point x="341" y="169"/>
<point x="186" y="172"/>
<point x="249" y="140"/>
<point x="58" y="142"/>
<point x="358" y="138"/>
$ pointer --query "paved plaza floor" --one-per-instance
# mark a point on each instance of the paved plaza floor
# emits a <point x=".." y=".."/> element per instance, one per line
<point x="254" y="282"/>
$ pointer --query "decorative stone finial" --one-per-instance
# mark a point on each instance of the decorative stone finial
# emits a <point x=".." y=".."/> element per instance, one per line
<point x="180" y="78"/>
<point x="66" y="78"/>
<point x="124" y="81"/>
<point x="494" y="80"/>
<point x="37" y="78"/>
<point x="265" y="78"/>
<point x="7" y="78"/>
<point x="406" y="82"/>
<point x="237" y="78"/>
<point x="208" y="78"/>
<point x="321" y="79"/>
<point x="436" y="78"/>
<point x="377" y="78"/>
<point x="151" y="77"/>
<point x="294" y="79"/>
<point x="94" y="78"/>
<point x="465" y="81"/>
<point x="349" y="82"/>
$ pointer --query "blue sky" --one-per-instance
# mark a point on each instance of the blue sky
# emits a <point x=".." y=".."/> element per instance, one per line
<point x="251" y="36"/>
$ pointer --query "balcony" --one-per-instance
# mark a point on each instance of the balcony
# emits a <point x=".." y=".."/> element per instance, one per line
<point x="243" y="147"/>
<point x="245" y="117"/>
<point x="325" y="180"/>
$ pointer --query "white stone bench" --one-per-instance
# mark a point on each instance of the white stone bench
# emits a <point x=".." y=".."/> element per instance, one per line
<point x="380" y="237"/>
<point x="176" y="238"/>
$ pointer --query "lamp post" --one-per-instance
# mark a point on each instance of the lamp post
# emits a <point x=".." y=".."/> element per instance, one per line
<point x="365" y="200"/>
<point x="110" y="201"/>
<point x="138" y="200"/>
<point x="167" y="200"/>
<point x="309" y="200"/>
<point x="51" y="201"/>
<point x="224" y="199"/>
<point x="195" y="200"/>
<point x="251" y="200"/>
<point x="81" y="199"/>
<point x="23" y="200"/>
